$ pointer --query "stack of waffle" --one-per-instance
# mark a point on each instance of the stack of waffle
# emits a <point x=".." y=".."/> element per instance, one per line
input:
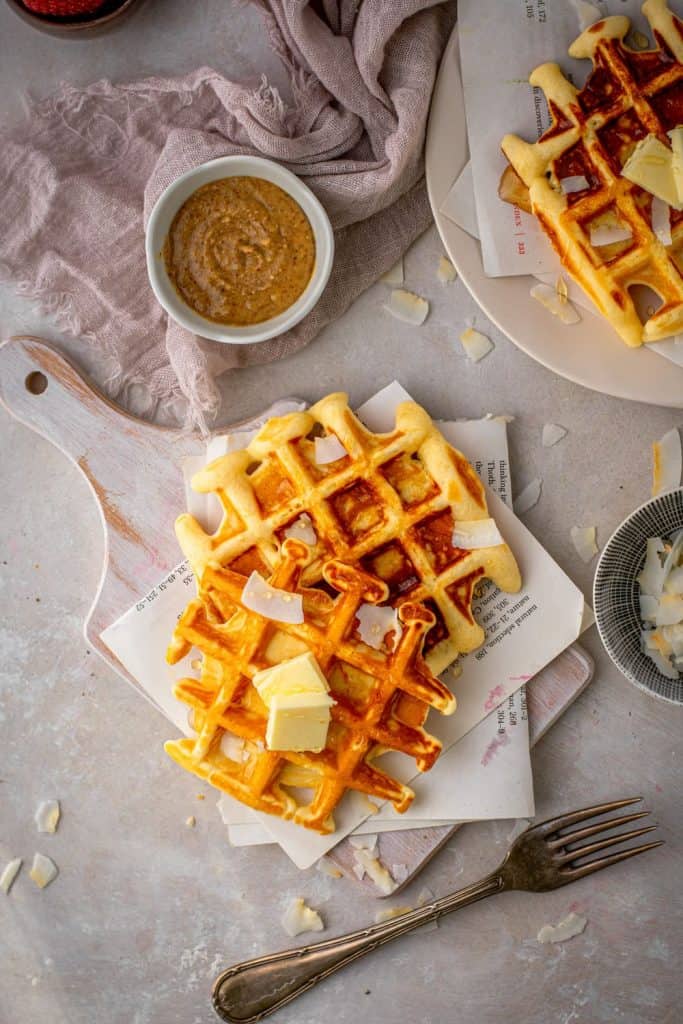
<point x="374" y="527"/>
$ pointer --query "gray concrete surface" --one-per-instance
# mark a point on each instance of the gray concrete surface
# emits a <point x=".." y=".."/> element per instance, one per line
<point x="145" y="911"/>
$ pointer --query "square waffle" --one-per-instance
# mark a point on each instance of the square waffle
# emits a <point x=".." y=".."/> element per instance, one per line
<point x="389" y="506"/>
<point x="628" y="95"/>
<point x="382" y="697"/>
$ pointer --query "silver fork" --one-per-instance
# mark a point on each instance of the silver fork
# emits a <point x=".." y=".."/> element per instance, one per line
<point x="543" y="857"/>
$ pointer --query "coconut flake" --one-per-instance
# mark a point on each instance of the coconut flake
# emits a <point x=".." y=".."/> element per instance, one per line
<point x="368" y="842"/>
<point x="649" y="607"/>
<point x="47" y="816"/>
<point x="663" y="664"/>
<point x="408" y="307"/>
<point x="574" y="183"/>
<point x="587" y="13"/>
<point x="9" y="873"/>
<point x="669" y="610"/>
<point x="555" y="302"/>
<point x="568" y="928"/>
<point x="329" y="449"/>
<point x="478" y="533"/>
<point x="375" y="622"/>
<point x="394" y="275"/>
<point x="528" y="497"/>
<point x="279" y="605"/>
<point x="376" y="871"/>
<point x="609" y="234"/>
<point x="476" y="344"/>
<point x="400" y="872"/>
<point x="302" y="529"/>
<point x="232" y="746"/>
<point x="552" y="433"/>
<point x="584" y="540"/>
<point x="652" y="575"/>
<point x="43" y="870"/>
<point x="667" y="462"/>
<point x="391" y="913"/>
<point x="674" y="581"/>
<point x="661" y="220"/>
<point x="299" y="918"/>
<point x="446" y="272"/>
<point x="362" y="803"/>
<point x="326" y="867"/>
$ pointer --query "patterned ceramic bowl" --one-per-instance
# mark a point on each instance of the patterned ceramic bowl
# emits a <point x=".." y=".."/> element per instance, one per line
<point x="616" y="592"/>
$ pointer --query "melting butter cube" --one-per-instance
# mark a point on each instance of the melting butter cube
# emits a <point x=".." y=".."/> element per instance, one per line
<point x="298" y="721"/>
<point x="651" y="165"/>
<point x="296" y="675"/>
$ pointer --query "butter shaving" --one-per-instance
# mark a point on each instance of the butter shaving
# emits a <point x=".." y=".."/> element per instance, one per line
<point x="408" y="307"/>
<point x="299" y="918"/>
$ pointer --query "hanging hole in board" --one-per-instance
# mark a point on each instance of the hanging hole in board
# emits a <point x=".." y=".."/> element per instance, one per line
<point x="36" y="383"/>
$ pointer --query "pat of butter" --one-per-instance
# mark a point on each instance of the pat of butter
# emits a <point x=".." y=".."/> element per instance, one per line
<point x="676" y="136"/>
<point x="298" y="721"/>
<point x="296" y="675"/>
<point x="651" y="165"/>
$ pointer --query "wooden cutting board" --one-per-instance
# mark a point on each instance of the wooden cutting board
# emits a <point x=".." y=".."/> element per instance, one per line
<point x="132" y="468"/>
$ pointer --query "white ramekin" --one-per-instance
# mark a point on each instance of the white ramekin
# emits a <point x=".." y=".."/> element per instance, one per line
<point x="168" y="204"/>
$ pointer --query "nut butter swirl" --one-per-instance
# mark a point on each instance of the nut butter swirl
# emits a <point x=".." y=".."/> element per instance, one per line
<point x="240" y="251"/>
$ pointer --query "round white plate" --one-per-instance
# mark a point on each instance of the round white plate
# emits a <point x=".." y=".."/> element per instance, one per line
<point x="590" y="352"/>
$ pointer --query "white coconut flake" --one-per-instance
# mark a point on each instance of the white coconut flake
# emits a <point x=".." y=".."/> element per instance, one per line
<point x="375" y="622"/>
<point x="608" y="234"/>
<point x="674" y="581"/>
<point x="329" y="449"/>
<point x="663" y="664"/>
<point x="408" y="307"/>
<point x="661" y="220"/>
<point x="376" y="871"/>
<point x="555" y="302"/>
<point x="391" y="913"/>
<point x="552" y="433"/>
<point x="394" y="276"/>
<point x="670" y="610"/>
<point x="649" y="607"/>
<point x="9" y="873"/>
<point x="302" y="529"/>
<point x="232" y="746"/>
<point x="574" y="183"/>
<point x="400" y="872"/>
<point x="326" y="867"/>
<point x="528" y="497"/>
<point x="362" y="803"/>
<point x="47" y="816"/>
<point x="368" y="842"/>
<point x="446" y="272"/>
<point x="651" y="578"/>
<point x="667" y="461"/>
<point x="476" y="344"/>
<point x="299" y="918"/>
<point x="477" y="533"/>
<point x="587" y="13"/>
<point x="279" y="605"/>
<point x="568" y="928"/>
<point x="584" y="539"/>
<point x="43" y="870"/>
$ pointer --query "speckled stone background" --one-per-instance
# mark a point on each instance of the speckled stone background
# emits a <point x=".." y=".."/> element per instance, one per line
<point x="146" y="911"/>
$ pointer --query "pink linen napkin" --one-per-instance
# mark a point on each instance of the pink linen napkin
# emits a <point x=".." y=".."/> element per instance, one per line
<point x="79" y="178"/>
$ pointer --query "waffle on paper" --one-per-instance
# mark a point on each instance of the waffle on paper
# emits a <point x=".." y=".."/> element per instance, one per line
<point x="628" y="95"/>
<point x="388" y="506"/>
<point x="381" y="696"/>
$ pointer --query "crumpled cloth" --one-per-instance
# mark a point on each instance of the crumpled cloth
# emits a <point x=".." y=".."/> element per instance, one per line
<point x="79" y="178"/>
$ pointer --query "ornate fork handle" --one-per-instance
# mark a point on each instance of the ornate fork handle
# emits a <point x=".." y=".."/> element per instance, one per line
<point x="249" y="991"/>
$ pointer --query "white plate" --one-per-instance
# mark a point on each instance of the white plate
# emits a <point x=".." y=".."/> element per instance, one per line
<point x="589" y="353"/>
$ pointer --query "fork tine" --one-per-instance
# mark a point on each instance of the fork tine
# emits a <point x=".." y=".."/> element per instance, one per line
<point x="585" y="851"/>
<point x="564" y="820"/>
<point x="571" y="874"/>
<point x="602" y="826"/>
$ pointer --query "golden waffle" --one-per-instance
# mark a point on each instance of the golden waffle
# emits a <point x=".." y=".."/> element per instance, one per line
<point x="628" y="95"/>
<point x="382" y="696"/>
<point x="389" y="506"/>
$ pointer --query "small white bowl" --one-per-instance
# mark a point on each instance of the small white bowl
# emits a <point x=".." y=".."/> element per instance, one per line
<point x="161" y="218"/>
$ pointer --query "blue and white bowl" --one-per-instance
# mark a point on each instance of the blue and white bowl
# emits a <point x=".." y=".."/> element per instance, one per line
<point x="616" y="592"/>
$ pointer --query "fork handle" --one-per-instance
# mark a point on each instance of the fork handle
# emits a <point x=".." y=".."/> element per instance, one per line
<point x="249" y="991"/>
